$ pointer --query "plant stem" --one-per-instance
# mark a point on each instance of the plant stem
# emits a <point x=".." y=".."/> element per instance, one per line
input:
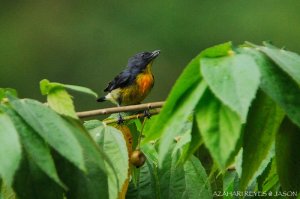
<point x="130" y="117"/>
<point x="141" y="133"/>
<point x="120" y="109"/>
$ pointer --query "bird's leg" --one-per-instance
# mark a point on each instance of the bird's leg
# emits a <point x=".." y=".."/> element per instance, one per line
<point x="120" y="119"/>
<point x="147" y="113"/>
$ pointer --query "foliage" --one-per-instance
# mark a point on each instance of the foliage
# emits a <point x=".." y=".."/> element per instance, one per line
<point x="230" y="126"/>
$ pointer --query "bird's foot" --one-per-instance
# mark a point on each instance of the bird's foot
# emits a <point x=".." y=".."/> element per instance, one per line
<point x="147" y="113"/>
<point x="120" y="119"/>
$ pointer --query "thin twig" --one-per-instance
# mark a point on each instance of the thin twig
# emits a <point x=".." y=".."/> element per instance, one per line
<point x="141" y="133"/>
<point x="120" y="109"/>
<point x="130" y="117"/>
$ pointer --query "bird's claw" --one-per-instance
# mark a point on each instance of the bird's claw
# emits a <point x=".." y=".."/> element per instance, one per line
<point x="120" y="120"/>
<point x="147" y="113"/>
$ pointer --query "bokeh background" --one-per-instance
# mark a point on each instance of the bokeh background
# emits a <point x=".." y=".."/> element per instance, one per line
<point x="87" y="43"/>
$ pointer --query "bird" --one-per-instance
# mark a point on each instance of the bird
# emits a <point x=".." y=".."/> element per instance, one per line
<point x="134" y="83"/>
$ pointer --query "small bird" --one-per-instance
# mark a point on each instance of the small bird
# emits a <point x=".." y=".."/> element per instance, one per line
<point x="134" y="83"/>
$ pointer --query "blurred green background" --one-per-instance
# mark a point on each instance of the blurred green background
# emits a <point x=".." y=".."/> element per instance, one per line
<point x="87" y="43"/>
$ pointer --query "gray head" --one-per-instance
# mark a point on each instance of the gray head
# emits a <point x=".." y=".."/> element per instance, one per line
<point x="141" y="60"/>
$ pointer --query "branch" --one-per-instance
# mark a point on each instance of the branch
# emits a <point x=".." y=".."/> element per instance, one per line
<point x="120" y="109"/>
<point x="130" y="117"/>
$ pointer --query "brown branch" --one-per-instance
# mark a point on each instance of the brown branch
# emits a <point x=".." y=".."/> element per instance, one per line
<point x="120" y="109"/>
<point x="130" y="117"/>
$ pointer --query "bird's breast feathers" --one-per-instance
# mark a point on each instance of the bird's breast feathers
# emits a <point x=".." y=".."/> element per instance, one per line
<point x="145" y="82"/>
<point x="137" y="92"/>
<point x="134" y="92"/>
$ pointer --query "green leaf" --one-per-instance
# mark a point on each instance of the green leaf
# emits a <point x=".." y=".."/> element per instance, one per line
<point x="176" y="122"/>
<point x="93" y="182"/>
<point x="228" y="182"/>
<point x="10" y="149"/>
<point x="184" y="84"/>
<point x="6" y="192"/>
<point x="113" y="143"/>
<point x="90" y="184"/>
<point x="220" y="128"/>
<point x="171" y="177"/>
<point x="183" y="181"/>
<point x="34" y="145"/>
<point x="150" y="152"/>
<point x="259" y="135"/>
<point x="194" y="141"/>
<point x="60" y="101"/>
<point x="46" y="87"/>
<point x="286" y="60"/>
<point x="31" y="182"/>
<point x="268" y="180"/>
<point x="218" y="50"/>
<point x="182" y="142"/>
<point x="170" y="180"/>
<point x="4" y="91"/>
<point x="187" y="81"/>
<point x="233" y="79"/>
<point x="288" y="156"/>
<point x="51" y="128"/>
<point x="147" y="184"/>
<point x="197" y="183"/>
<point x="80" y="89"/>
<point x="278" y="85"/>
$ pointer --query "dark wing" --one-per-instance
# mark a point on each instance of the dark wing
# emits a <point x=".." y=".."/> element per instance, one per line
<point x="124" y="79"/>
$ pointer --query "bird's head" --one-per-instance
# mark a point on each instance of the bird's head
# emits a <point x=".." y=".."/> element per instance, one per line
<point x="141" y="60"/>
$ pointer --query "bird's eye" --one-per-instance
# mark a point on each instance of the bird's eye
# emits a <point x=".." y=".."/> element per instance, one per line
<point x="143" y="56"/>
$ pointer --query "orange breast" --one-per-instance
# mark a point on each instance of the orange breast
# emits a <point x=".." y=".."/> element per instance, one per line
<point x="145" y="82"/>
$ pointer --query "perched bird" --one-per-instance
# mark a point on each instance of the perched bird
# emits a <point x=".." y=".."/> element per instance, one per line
<point x="134" y="83"/>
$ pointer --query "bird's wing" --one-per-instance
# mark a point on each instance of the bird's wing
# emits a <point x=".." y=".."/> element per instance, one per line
<point x="124" y="79"/>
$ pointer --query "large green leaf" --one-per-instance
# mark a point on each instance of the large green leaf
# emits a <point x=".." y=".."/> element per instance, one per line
<point x="51" y="128"/>
<point x="268" y="180"/>
<point x="278" y="85"/>
<point x="60" y="101"/>
<point x="10" y="149"/>
<point x="90" y="184"/>
<point x="34" y="145"/>
<point x="197" y="183"/>
<point x="286" y="60"/>
<point x="176" y="122"/>
<point x="182" y="181"/>
<point x="233" y="79"/>
<point x="194" y="140"/>
<point x="220" y="128"/>
<point x="113" y="143"/>
<point x="220" y="50"/>
<point x="32" y="183"/>
<point x="146" y="187"/>
<point x="94" y="181"/>
<point x="288" y="156"/>
<point x="259" y="135"/>
<point x="170" y="180"/>
<point x="187" y="81"/>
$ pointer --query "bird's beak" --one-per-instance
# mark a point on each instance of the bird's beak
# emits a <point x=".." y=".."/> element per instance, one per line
<point x="155" y="53"/>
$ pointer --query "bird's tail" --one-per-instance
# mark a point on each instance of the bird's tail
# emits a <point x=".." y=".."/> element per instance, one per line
<point x="101" y="99"/>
